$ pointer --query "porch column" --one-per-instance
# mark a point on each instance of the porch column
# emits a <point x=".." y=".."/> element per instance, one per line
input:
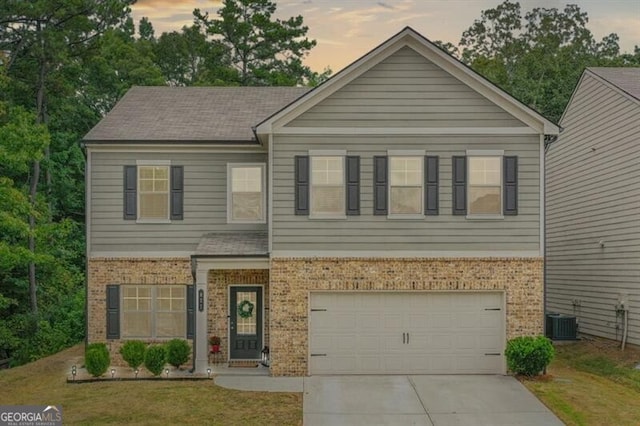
<point x="202" y="340"/>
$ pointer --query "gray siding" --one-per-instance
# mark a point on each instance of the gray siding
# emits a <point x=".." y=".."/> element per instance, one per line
<point x="405" y="90"/>
<point x="205" y="202"/>
<point x="431" y="233"/>
<point x="593" y="190"/>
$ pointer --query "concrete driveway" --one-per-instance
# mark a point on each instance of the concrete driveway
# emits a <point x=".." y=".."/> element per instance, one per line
<point x="422" y="400"/>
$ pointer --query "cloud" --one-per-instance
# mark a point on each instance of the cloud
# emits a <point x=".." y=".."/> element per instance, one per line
<point x="626" y="27"/>
<point x="385" y="5"/>
<point x="171" y="15"/>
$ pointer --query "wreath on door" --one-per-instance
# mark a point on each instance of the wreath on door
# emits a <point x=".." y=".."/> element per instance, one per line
<point x="245" y="309"/>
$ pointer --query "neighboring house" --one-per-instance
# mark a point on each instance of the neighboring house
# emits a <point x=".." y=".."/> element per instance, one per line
<point x="593" y="205"/>
<point x="387" y="221"/>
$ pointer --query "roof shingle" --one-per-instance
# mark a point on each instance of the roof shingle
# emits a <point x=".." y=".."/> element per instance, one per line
<point x="191" y="113"/>
<point x="233" y="244"/>
<point x="627" y="78"/>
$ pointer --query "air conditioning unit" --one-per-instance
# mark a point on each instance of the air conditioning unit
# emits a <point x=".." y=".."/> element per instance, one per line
<point x="561" y="327"/>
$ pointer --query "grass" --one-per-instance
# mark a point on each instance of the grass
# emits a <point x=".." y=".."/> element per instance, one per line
<point x="43" y="382"/>
<point x="592" y="382"/>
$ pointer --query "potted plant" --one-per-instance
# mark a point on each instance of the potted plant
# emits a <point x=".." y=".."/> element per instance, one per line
<point x="214" y="341"/>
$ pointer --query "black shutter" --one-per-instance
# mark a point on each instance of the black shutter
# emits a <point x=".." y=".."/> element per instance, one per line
<point x="302" y="185"/>
<point x="113" y="312"/>
<point x="431" y="164"/>
<point x="380" y="190"/>
<point x="130" y="198"/>
<point x="353" y="185"/>
<point x="510" y="165"/>
<point x="191" y="311"/>
<point x="177" y="192"/>
<point x="459" y="172"/>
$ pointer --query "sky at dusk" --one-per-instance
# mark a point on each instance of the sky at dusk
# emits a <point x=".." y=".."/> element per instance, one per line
<point x="347" y="29"/>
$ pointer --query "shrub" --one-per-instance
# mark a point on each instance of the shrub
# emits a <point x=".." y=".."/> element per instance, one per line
<point x="155" y="358"/>
<point x="178" y="351"/>
<point x="529" y="355"/>
<point x="96" y="359"/>
<point x="133" y="353"/>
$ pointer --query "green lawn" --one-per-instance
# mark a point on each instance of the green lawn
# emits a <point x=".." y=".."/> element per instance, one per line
<point x="145" y="402"/>
<point x="589" y="383"/>
<point x="592" y="382"/>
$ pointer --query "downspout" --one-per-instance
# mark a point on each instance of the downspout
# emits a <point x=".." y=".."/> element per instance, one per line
<point x="625" y="326"/>
<point x="194" y="263"/>
<point x="548" y="140"/>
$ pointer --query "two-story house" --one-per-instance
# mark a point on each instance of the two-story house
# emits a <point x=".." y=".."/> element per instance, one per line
<point x="593" y="220"/>
<point x="387" y="221"/>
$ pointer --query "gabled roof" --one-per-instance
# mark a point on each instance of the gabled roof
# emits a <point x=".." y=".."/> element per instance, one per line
<point x="223" y="114"/>
<point x="411" y="38"/>
<point x="626" y="79"/>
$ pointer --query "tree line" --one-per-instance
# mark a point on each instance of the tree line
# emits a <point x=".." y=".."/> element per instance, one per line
<point x="65" y="63"/>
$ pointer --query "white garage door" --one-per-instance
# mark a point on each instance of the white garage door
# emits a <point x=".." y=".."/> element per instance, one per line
<point x="406" y="333"/>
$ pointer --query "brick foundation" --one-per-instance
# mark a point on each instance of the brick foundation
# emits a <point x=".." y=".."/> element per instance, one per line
<point x="292" y="279"/>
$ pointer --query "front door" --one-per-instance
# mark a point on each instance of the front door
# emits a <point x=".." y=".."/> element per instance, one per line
<point x="245" y="322"/>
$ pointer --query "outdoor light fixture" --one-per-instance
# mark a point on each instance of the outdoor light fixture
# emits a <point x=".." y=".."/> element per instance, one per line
<point x="113" y="372"/>
<point x="74" y="371"/>
<point x="166" y="371"/>
<point x="136" y="371"/>
<point x="208" y="373"/>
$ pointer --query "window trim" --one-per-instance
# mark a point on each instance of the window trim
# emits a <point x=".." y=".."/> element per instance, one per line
<point x="498" y="153"/>
<point x="414" y="153"/>
<point x="328" y="153"/>
<point x="263" y="198"/>
<point x="153" y="163"/>
<point x="154" y="310"/>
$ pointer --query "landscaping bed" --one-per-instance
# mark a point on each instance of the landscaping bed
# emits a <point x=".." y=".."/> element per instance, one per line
<point x="43" y="382"/>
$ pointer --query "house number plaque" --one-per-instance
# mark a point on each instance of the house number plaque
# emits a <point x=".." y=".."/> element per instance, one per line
<point x="200" y="300"/>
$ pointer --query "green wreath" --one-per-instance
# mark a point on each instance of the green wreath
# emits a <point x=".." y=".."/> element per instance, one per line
<point x="245" y="309"/>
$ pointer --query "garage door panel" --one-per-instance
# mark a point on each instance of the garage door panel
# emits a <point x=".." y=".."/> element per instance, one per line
<point x="392" y="322"/>
<point x="440" y="320"/>
<point x="449" y="333"/>
<point x="440" y="342"/>
<point x="369" y="343"/>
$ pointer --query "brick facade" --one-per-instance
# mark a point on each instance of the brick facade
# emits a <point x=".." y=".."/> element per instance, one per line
<point x="292" y="279"/>
<point x="132" y="271"/>
<point x="218" y="284"/>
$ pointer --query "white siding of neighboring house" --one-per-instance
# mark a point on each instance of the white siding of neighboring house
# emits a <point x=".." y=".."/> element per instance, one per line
<point x="593" y="196"/>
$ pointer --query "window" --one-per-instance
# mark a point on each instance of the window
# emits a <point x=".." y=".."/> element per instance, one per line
<point x="153" y="311"/>
<point x="405" y="185"/>
<point x="246" y="195"/>
<point x="485" y="185"/>
<point x="153" y="192"/>
<point x="327" y="186"/>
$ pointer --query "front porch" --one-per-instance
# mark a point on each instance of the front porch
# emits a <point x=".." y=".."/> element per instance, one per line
<point x="232" y="301"/>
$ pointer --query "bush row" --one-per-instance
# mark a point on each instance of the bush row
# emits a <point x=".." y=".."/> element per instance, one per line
<point x="136" y="353"/>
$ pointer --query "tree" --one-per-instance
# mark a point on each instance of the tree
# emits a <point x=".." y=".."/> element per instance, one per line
<point x="187" y="58"/>
<point x="145" y="30"/>
<point x="45" y="45"/>
<point x="537" y="58"/>
<point x="40" y="36"/>
<point x="265" y="51"/>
